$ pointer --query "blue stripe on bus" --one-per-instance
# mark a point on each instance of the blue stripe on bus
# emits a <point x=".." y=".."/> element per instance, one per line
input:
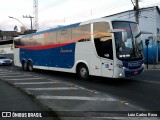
<point x="62" y="57"/>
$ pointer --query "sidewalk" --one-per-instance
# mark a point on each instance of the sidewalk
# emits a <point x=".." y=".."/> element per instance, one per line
<point x="152" y="67"/>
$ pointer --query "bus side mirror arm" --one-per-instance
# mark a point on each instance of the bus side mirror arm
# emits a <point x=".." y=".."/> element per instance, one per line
<point x="124" y="33"/>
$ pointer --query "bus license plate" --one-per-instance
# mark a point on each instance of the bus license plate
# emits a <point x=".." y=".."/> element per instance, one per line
<point x="135" y="72"/>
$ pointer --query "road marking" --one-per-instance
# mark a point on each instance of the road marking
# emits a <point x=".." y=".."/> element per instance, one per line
<point x="8" y="76"/>
<point x="76" y="98"/>
<point x="28" y="83"/>
<point x="2" y="71"/>
<point x="150" y="81"/>
<point x="7" y="73"/>
<point x="12" y="74"/>
<point x="26" y="79"/>
<point x="58" y="88"/>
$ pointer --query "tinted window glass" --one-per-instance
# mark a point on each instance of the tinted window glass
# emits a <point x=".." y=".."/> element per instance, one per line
<point x="103" y="40"/>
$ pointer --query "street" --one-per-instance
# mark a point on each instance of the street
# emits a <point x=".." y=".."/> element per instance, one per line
<point x="14" y="100"/>
<point x="141" y="92"/>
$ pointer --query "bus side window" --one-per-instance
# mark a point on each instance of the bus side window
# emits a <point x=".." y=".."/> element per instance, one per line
<point x="81" y="33"/>
<point x="98" y="45"/>
<point x="50" y="38"/>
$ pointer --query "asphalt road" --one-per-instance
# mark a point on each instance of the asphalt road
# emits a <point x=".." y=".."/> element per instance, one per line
<point x="142" y="90"/>
<point x="14" y="100"/>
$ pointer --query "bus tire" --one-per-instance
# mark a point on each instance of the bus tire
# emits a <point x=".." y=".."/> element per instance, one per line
<point x="24" y="65"/>
<point x="30" y="66"/>
<point x="83" y="72"/>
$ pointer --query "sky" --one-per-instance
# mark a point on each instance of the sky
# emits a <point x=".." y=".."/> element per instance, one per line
<point x="62" y="12"/>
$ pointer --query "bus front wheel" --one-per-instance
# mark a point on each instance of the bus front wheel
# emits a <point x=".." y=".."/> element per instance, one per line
<point x="83" y="72"/>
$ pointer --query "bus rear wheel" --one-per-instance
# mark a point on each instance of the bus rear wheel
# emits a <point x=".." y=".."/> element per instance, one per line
<point x="30" y="66"/>
<point x="24" y="66"/>
<point x="83" y="72"/>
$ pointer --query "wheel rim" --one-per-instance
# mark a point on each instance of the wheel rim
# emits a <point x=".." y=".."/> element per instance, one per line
<point x="30" y="67"/>
<point x="83" y="72"/>
<point x="25" y="66"/>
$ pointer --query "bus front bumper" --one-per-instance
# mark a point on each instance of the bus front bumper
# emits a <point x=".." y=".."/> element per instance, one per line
<point x="133" y="72"/>
<point x="122" y="73"/>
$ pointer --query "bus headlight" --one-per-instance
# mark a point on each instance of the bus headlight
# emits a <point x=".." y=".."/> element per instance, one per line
<point x="121" y="66"/>
<point x="143" y="65"/>
<point x="120" y="74"/>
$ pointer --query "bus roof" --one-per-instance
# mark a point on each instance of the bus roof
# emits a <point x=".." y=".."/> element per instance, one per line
<point x="52" y="29"/>
<point x="70" y="26"/>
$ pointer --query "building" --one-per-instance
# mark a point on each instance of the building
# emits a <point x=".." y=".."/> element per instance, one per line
<point x="6" y="41"/>
<point x="7" y="35"/>
<point x="149" y="21"/>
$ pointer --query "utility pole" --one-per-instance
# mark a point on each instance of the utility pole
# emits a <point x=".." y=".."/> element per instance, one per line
<point x="35" y="13"/>
<point x="30" y="19"/>
<point x="18" y="21"/>
<point x="136" y="8"/>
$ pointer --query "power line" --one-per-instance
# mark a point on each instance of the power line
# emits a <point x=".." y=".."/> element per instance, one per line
<point x="95" y="11"/>
<point x="51" y="5"/>
<point x="132" y="3"/>
<point x="89" y="13"/>
<point x="149" y="3"/>
<point x="30" y="17"/>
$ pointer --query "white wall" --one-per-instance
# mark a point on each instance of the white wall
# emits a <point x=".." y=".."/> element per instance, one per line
<point x="6" y="49"/>
<point x="149" y="20"/>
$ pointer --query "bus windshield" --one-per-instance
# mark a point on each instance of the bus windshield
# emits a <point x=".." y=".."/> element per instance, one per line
<point x="131" y="49"/>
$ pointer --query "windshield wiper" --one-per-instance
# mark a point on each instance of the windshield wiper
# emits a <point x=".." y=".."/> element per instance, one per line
<point x="138" y="35"/>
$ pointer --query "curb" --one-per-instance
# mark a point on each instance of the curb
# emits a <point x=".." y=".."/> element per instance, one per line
<point x="33" y="97"/>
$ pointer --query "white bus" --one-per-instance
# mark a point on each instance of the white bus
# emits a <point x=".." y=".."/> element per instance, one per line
<point x="98" y="47"/>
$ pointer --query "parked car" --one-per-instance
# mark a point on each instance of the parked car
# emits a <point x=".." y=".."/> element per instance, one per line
<point x="5" y="61"/>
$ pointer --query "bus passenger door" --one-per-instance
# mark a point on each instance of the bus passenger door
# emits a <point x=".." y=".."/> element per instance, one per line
<point x="107" y="57"/>
<point x="104" y="50"/>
